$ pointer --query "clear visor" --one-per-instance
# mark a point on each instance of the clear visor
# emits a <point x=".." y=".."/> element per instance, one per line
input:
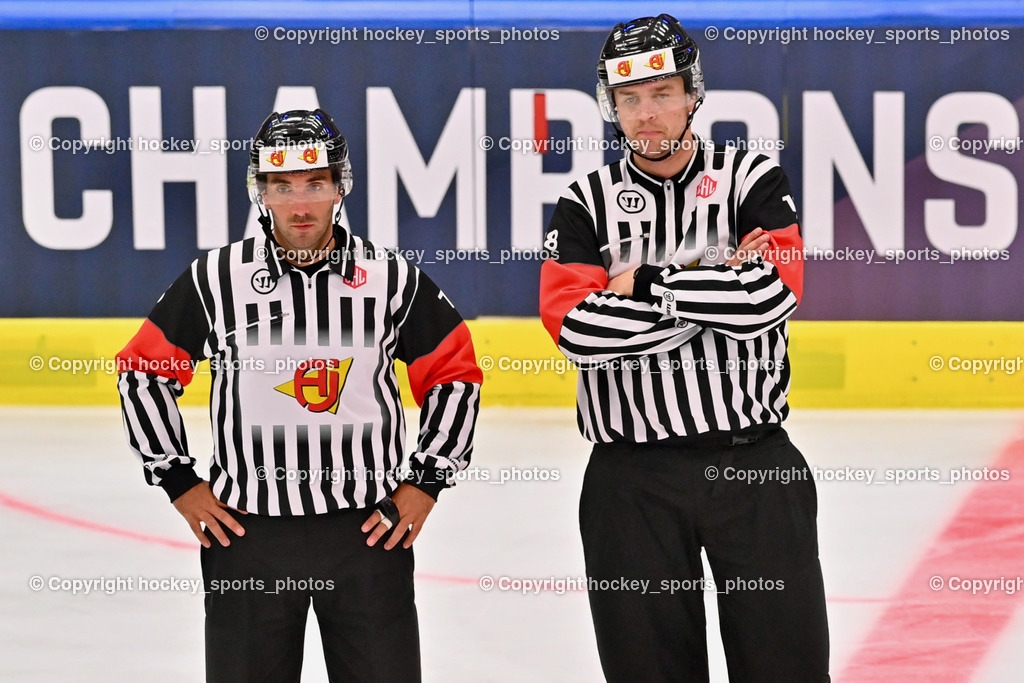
<point x="652" y="99"/>
<point x="298" y="188"/>
<point x="652" y="116"/>
<point x="613" y="104"/>
<point x="283" y="188"/>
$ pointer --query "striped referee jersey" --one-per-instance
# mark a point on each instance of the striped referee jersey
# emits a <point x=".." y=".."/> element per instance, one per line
<point x="304" y="402"/>
<point x="700" y="346"/>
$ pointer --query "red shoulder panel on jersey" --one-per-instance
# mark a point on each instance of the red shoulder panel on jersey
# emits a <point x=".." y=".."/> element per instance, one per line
<point x="786" y="252"/>
<point x="452" y="361"/>
<point x="562" y="287"/>
<point x="151" y="353"/>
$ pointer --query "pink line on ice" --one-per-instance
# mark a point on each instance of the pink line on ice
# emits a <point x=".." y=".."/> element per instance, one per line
<point x="941" y="636"/>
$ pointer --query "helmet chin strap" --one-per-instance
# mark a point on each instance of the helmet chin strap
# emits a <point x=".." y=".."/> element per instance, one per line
<point x="337" y="212"/>
<point x="267" y="223"/>
<point x="678" y="144"/>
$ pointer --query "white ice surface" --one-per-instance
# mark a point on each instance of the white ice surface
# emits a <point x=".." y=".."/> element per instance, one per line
<point x="74" y="462"/>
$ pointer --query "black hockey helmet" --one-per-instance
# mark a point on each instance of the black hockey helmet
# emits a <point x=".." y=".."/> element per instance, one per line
<point x="647" y="49"/>
<point x="298" y="140"/>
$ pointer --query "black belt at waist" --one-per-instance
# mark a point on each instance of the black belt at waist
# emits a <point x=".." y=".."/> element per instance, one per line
<point x="739" y="437"/>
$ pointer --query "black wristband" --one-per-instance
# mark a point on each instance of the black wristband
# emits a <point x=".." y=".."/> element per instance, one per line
<point x="643" y="278"/>
<point x="178" y="479"/>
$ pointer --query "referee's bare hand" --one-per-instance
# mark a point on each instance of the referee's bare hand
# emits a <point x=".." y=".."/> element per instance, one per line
<point x="413" y="507"/>
<point x="756" y="242"/>
<point x="199" y="506"/>
<point x="622" y="283"/>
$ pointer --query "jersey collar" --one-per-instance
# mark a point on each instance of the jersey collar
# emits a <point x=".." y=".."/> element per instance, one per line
<point x="651" y="182"/>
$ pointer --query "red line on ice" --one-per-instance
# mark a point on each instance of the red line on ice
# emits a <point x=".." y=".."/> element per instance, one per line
<point x="51" y="516"/>
<point x="942" y="636"/>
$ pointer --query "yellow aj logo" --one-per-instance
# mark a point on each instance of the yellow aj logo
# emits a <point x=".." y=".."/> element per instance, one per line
<point x="317" y="384"/>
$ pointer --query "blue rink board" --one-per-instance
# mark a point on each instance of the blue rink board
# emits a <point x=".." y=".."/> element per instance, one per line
<point x="592" y="14"/>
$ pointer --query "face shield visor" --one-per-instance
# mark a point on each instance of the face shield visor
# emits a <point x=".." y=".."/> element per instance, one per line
<point x="299" y="187"/>
<point x="653" y="116"/>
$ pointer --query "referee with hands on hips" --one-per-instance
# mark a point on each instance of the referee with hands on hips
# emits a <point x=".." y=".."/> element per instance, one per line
<point x="306" y="503"/>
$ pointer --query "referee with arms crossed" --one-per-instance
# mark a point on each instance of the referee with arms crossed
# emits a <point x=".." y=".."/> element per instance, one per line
<point x="306" y="503"/>
<point x="664" y="291"/>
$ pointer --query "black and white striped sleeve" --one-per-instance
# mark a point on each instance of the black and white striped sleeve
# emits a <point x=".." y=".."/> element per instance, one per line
<point x="445" y="380"/>
<point x="154" y="368"/>
<point x="445" y="443"/>
<point x="590" y="324"/>
<point x="742" y="303"/>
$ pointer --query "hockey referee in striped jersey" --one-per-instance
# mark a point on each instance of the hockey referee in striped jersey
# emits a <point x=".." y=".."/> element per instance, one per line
<point x="306" y="501"/>
<point x="675" y="272"/>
